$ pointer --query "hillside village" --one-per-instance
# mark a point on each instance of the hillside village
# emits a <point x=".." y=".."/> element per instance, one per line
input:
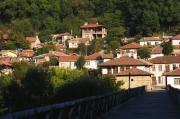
<point x="125" y="63"/>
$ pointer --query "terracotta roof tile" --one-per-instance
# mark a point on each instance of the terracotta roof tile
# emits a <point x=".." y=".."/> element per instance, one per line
<point x="71" y="58"/>
<point x="131" y="46"/>
<point x="168" y="59"/>
<point x="175" y="72"/>
<point x="124" y="61"/>
<point x="177" y="37"/>
<point x="96" y="56"/>
<point x="91" y="25"/>
<point x="134" y="72"/>
<point x="27" y="53"/>
<point x="176" y="46"/>
<point x="157" y="50"/>
<point x="31" y="39"/>
<point x="151" y="39"/>
<point x="55" y="53"/>
<point x="7" y="61"/>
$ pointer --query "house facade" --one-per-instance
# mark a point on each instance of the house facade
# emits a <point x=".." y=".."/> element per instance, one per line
<point x="176" y="44"/>
<point x="162" y="65"/>
<point x="173" y="78"/>
<point x="62" y="37"/>
<point x="93" y="60"/>
<point x="156" y="51"/>
<point x="134" y="77"/>
<point x="74" y="43"/>
<point x="118" y="65"/>
<point x="129" y="50"/>
<point x="34" y="42"/>
<point x="150" y="41"/>
<point x="93" y="31"/>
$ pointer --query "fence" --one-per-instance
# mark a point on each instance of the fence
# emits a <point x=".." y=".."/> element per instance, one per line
<point x="86" y="108"/>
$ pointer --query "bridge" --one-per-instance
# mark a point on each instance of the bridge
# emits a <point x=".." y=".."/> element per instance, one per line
<point x="130" y="104"/>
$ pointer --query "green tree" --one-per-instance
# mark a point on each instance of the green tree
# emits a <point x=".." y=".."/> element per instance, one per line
<point x="82" y="49"/>
<point x="144" y="52"/>
<point x="54" y="61"/>
<point x="167" y="48"/>
<point x="45" y="49"/>
<point x="80" y="63"/>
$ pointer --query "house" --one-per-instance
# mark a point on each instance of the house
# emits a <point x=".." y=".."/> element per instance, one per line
<point x="26" y="55"/>
<point x="93" y="60"/>
<point x="93" y="31"/>
<point x="6" y="65"/>
<point x="68" y="61"/>
<point x="129" y="50"/>
<point x="74" y="43"/>
<point x="173" y="78"/>
<point x="176" y="44"/>
<point x="34" y="42"/>
<point x="9" y="53"/>
<point x="61" y="38"/>
<point x="162" y="65"/>
<point x="150" y="41"/>
<point x="118" y="65"/>
<point x="156" y="51"/>
<point x="134" y="77"/>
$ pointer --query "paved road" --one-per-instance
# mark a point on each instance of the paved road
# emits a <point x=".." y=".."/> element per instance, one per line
<point x="153" y="105"/>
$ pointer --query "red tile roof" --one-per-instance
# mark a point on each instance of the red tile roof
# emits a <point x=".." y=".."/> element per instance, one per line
<point x="7" y="61"/>
<point x="96" y="56"/>
<point x="175" y="72"/>
<point x="125" y="61"/>
<point x="151" y="39"/>
<point x="131" y="46"/>
<point x="91" y="25"/>
<point x="61" y="35"/>
<point x="168" y="59"/>
<point x="71" y="58"/>
<point x="177" y="37"/>
<point x="27" y="53"/>
<point x="157" y="50"/>
<point x="31" y="39"/>
<point x="134" y="72"/>
<point x="55" y="53"/>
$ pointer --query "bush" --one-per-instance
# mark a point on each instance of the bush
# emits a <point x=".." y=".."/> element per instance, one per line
<point x="86" y="87"/>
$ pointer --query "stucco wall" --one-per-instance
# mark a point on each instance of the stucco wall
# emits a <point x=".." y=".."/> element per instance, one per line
<point x="136" y="81"/>
<point x="170" y="81"/>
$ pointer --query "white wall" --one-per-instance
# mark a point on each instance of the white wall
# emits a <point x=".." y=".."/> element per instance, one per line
<point x="91" y="64"/>
<point x="70" y="65"/>
<point x="170" y="81"/>
<point x="156" y="55"/>
<point x="176" y="42"/>
<point x="152" y="43"/>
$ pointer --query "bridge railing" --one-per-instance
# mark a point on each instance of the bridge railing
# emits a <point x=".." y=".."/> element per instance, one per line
<point x="86" y="108"/>
<point x="175" y="93"/>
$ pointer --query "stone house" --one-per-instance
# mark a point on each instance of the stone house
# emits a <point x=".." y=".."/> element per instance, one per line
<point x="93" y="31"/>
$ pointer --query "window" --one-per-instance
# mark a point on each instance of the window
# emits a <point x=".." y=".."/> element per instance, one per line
<point x="127" y="68"/>
<point x="121" y="68"/>
<point x="109" y="71"/>
<point x="167" y="68"/>
<point x="156" y="43"/>
<point x="87" y="62"/>
<point x="115" y="70"/>
<point x="153" y="68"/>
<point x="160" y="67"/>
<point x="174" y="66"/>
<point x="160" y="81"/>
<point x="177" y="81"/>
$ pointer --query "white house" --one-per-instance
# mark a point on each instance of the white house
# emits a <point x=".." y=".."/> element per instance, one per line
<point x="34" y="42"/>
<point x="162" y="65"/>
<point x="93" y="31"/>
<point x="68" y="61"/>
<point x="74" y="43"/>
<point x="62" y="37"/>
<point x="156" y="51"/>
<point x="118" y="65"/>
<point x="93" y="60"/>
<point x="173" y="78"/>
<point x="129" y="50"/>
<point x="150" y="41"/>
<point x="176" y="44"/>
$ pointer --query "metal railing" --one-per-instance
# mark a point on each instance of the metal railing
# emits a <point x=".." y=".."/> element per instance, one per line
<point x="174" y="93"/>
<point x="86" y="108"/>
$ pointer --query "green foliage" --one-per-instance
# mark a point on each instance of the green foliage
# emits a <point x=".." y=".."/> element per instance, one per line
<point x="20" y="69"/>
<point x="45" y="49"/>
<point x="82" y="49"/>
<point x="144" y="52"/>
<point x="54" y="61"/>
<point x="167" y="48"/>
<point x="86" y="87"/>
<point x="80" y="63"/>
<point x="5" y="80"/>
<point x="96" y="46"/>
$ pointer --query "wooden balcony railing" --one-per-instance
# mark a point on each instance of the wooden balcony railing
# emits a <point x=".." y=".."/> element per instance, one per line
<point x="86" y="108"/>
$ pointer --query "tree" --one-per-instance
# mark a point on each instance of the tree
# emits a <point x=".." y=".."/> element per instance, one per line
<point x="45" y="49"/>
<point x="54" y="61"/>
<point x="82" y="49"/>
<point x="80" y="63"/>
<point x="167" y="48"/>
<point x="144" y="52"/>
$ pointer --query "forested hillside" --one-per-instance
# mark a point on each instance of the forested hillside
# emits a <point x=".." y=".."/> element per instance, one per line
<point x="121" y="17"/>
